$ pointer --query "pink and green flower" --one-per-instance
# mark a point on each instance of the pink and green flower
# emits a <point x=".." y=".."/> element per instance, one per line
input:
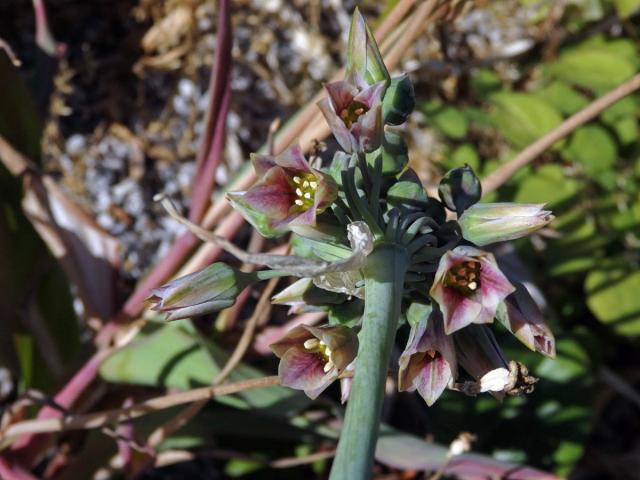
<point x="311" y="358"/>
<point x="469" y="287"/>
<point x="288" y="194"/>
<point x="428" y="363"/>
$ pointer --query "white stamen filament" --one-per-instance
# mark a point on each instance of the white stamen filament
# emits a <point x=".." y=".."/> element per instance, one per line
<point x="328" y="366"/>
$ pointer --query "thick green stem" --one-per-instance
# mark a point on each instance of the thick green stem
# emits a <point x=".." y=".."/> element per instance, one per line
<point x="384" y="278"/>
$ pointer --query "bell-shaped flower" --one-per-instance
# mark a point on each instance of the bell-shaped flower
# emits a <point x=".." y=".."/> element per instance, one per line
<point x="208" y="290"/>
<point x="311" y="358"/>
<point x="289" y="193"/>
<point x="428" y="363"/>
<point x="479" y="354"/>
<point x="469" y="287"/>
<point x="353" y="110"/>
<point x="485" y="223"/>
<point x="522" y="317"/>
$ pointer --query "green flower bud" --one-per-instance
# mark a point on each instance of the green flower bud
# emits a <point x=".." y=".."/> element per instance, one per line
<point x="459" y="189"/>
<point x="486" y="223"/>
<point x="399" y="101"/>
<point x="208" y="290"/>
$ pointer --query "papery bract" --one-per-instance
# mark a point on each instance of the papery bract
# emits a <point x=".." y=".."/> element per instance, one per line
<point x="311" y="358"/>
<point x="289" y="193"/>
<point x="459" y="189"/>
<point x="468" y="286"/>
<point x="428" y="363"/>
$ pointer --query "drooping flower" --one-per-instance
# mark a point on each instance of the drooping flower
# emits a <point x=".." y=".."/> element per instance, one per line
<point x="522" y="317"/>
<point x="206" y="291"/>
<point x="468" y="286"/>
<point x="353" y="110"/>
<point x="428" y="363"/>
<point x="485" y="223"/>
<point x="311" y="358"/>
<point x="289" y="193"/>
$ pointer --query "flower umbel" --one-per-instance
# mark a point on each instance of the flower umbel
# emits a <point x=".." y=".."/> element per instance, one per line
<point x="311" y="358"/>
<point x="289" y="193"/>
<point x="468" y="286"/>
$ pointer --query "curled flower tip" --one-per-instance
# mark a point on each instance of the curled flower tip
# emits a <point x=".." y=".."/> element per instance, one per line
<point x="206" y="291"/>
<point x="469" y="287"/>
<point x="485" y="223"/>
<point x="311" y="358"/>
<point x="288" y="193"/>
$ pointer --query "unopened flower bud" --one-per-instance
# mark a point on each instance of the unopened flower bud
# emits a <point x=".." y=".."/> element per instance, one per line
<point x="363" y="55"/>
<point x="459" y="189"/>
<point x="399" y="101"/>
<point x="485" y="223"/>
<point x="208" y="290"/>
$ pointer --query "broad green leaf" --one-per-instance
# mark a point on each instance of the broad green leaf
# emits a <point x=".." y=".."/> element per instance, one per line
<point x="463" y="155"/>
<point x="522" y="118"/>
<point x="597" y="69"/>
<point x="613" y="297"/>
<point x="562" y="96"/>
<point x="626" y="7"/>
<point x="548" y="184"/>
<point x="173" y="357"/>
<point x="449" y="120"/>
<point x="594" y="148"/>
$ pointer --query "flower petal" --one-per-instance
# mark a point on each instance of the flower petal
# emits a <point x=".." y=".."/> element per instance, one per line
<point x="292" y="158"/>
<point x="294" y="338"/>
<point x="303" y="370"/>
<point x="343" y="136"/>
<point x="433" y="377"/>
<point x="262" y="163"/>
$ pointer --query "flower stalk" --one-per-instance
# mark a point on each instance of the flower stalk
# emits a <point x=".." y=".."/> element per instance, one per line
<point x="384" y="278"/>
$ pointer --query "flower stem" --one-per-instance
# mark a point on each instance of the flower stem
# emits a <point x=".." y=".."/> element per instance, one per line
<point x="384" y="279"/>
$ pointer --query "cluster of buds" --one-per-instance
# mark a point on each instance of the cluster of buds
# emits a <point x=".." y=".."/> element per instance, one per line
<point x="452" y="289"/>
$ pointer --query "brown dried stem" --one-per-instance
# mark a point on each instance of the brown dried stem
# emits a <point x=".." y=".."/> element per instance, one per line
<point x="501" y="175"/>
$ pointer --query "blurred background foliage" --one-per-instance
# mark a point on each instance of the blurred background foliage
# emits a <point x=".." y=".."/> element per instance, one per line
<point x="543" y="61"/>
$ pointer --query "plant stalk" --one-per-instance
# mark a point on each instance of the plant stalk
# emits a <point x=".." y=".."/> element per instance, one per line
<point x="384" y="279"/>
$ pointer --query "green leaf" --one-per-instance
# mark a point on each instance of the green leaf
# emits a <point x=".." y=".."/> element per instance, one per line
<point x="626" y="7"/>
<point x="463" y="155"/>
<point x="563" y="97"/>
<point x="612" y="296"/>
<point x="594" y="148"/>
<point x="449" y="120"/>
<point x="522" y="118"/>
<point x="173" y="357"/>
<point x="596" y="69"/>
<point x="548" y="184"/>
